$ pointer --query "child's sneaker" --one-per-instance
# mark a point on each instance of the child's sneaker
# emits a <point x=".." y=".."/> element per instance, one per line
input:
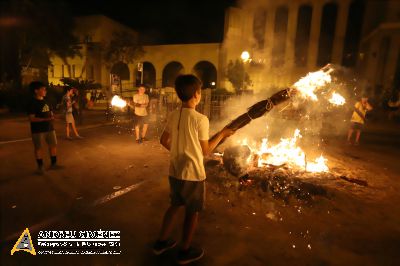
<point x="145" y="139"/>
<point x="190" y="255"/>
<point x="162" y="246"/>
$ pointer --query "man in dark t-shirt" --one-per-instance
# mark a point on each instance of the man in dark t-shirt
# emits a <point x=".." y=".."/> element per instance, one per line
<point x="42" y="128"/>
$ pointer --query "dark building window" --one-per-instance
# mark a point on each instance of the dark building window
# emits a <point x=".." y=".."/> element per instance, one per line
<point x="259" y="24"/>
<point x="303" y="35"/>
<point x="280" y="32"/>
<point x="353" y="33"/>
<point x="327" y="34"/>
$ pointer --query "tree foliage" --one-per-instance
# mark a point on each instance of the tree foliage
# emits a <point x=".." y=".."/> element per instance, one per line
<point x="237" y="75"/>
<point x="41" y="29"/>
<point x="81" y="84"/>
<point x="123" y="47"/>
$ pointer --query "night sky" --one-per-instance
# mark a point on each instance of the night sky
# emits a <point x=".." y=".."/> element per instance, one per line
<point x="163" y="22"/>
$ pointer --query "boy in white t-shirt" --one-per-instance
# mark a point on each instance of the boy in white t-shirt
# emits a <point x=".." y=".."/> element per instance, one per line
<point x="141" y="101"/>
<point x="186" y="137"/>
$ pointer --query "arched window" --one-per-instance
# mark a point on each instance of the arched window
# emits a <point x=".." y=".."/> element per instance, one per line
<point x="170" y="72"/>
<point x="207" y="73"/>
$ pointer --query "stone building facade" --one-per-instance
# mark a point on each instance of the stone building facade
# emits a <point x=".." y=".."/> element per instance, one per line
<point x="285" y="39"/>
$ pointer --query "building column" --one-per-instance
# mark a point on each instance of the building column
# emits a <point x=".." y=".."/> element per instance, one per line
<point x="340" y="32"/>
<point x="269" y="35"/>
<point x="314" y="34"/>
<point x="291" y="35"/>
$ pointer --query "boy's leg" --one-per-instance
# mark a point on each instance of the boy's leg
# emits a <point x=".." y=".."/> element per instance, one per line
<point x="37" y="143"/>
<point x="349" y="134"/>
<point x="144" y="131"/>
<point x="358" y="133"/>
<point x="137" y="132"/>
<point x="168" y="222"/>
<point x="189" y="227"/>
<point x="51" y="140"/>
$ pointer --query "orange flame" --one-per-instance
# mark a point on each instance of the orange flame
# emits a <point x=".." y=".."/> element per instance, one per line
<point x="313" y="81"/>
<point x="287" y="152"/>
<point x="118" y="102"/>
<point x="337" y="99"/>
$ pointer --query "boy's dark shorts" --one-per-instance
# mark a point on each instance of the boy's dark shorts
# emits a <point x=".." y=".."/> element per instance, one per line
<point x="139" y="120"/>
<point x="356" y="126"/>
<point x="50" y="138"/>
<point x="190" y="194"/>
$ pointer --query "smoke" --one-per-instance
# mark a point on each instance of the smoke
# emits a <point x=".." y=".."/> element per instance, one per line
<point x="319" y="121"/>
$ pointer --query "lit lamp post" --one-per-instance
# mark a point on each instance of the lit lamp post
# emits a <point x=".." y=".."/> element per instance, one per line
<point x="245" y="56"/>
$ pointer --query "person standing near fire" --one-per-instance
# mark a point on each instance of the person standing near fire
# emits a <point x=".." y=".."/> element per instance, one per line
<point x="186" y="137"/>
<point x="140" y="102"/>
<point x="358" y="119"/>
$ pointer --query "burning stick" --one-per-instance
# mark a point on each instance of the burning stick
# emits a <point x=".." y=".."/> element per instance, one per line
<point x="305" y="87"/>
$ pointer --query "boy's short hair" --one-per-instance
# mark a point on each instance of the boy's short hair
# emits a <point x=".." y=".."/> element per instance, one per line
<point x="36" y="85"/>
<point x="186" y="86"/>
<point x="68" y="88"/>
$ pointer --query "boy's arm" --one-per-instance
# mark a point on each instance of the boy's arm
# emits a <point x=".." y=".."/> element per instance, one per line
<point x="165" y="140"/>
<point x="34" y="119"/>
<point x="369" y="107"/>
<point x="208" y="146"/>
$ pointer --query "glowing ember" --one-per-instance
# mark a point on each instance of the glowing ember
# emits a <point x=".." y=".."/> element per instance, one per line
<point x="312" y="82"/>
<point x="117" y="101"/>
<point x="337" y="99"/>
<point x="286" y="152"/>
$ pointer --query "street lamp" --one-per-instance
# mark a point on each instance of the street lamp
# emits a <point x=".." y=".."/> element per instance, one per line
<point x="245" y="56"/>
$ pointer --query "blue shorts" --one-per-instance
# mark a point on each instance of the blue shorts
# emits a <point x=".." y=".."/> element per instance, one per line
<point x="190" y="194"/>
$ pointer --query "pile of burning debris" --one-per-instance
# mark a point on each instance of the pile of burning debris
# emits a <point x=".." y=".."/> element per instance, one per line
<point x="283" y="170"/>
<point x="242" y="171"/>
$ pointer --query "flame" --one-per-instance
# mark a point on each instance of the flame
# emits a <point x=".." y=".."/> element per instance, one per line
<point x="313" y="81"/>
<point x="287" y="152"/>
<point x="318" y="166"/>
<point x="337" y="99"/>
<point x="117" y="101"/>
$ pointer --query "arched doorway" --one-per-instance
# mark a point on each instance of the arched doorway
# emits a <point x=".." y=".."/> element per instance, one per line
<point x="207" y="73"/>
<point x="121" y="70"/>
<point x="149" y="74"/>
<point x="170" y="72"/>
